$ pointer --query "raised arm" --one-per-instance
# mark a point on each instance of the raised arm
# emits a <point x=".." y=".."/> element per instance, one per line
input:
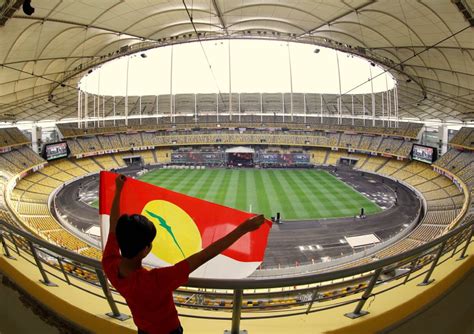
<point x="115" y="211"/>
<point x="198" y="259"/>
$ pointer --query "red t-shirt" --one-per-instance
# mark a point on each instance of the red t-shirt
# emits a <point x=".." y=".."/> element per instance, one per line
<point x="149" y="293"/>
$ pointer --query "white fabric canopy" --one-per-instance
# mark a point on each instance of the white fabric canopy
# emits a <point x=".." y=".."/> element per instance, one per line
<point x="429" y="45"/>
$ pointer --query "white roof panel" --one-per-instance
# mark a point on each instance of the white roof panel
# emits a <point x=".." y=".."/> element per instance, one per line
<point x="38" y="52"/>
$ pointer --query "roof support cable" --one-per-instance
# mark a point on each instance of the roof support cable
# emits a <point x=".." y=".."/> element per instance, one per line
<point x="205" y="55"/>
<point x="37" y="76"/>
<point x="406" y="25"/>
<point x="392" y="67"/>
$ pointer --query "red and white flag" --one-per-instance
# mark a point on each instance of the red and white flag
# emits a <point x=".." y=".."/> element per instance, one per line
<point x="184" y="226"/>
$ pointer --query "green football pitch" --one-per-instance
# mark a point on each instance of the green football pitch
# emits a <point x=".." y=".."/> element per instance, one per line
<point x="295" y="193"/>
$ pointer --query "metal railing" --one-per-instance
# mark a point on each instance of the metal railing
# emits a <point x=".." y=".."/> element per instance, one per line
<point x="278" y="297"/>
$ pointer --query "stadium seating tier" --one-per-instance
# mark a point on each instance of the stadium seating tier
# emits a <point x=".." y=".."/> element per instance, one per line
<point x="29" y="198"/>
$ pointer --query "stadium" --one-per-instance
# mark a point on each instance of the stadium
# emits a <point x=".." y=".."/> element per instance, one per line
<point x="348" y="124"/>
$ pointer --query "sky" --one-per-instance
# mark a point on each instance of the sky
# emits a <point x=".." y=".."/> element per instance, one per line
<point x="256" y="66"/>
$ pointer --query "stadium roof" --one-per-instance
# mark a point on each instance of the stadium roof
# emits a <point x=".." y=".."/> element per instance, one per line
<point x="429" y="45"/>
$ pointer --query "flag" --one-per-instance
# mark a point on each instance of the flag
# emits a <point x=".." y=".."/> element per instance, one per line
<point x="184" y="226"/>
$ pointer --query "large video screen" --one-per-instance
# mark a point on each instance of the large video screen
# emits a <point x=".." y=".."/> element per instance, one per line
<point x="55" y="151"/>
<point x="287" y="159"/>
<point x="200" y="158"/>
<point x="423" y="153"/>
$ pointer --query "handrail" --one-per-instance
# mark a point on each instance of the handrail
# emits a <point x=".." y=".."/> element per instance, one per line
<point x="56" y="249"/>
<point x="467" y="195"/>
<point x="250" y="283"/>
<point x="469" y="148"/>
<point x="320" y="277"/>
<point x="373" y="273"/>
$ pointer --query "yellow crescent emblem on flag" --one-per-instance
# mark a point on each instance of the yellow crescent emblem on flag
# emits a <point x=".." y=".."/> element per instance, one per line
<point x="177" y="236"/>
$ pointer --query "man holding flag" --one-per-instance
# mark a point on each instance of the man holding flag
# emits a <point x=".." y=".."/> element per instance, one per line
<point x="149" y="293"/>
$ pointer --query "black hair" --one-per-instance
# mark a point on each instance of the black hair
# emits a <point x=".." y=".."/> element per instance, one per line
<point x="134" y="233"/>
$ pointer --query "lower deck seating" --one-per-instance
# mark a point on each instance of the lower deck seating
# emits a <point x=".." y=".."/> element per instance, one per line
<point x="361" y="162"/>
<point x="31" y="194"/>
<point x="443" y="198"/>
<point x="334" y="156"/>
<point x="26" y="208"/>
<point x="427" y="233"/>
<point x="391" y="167"/>
<point x="42" y="224"/>
<point x="444" y="217"/>
<point x="453" y="202"/>
<point x="119" y="158"/>
<point x="163" y="156"/>
<point x="88" y="165"/>
<point x="415" y="180"/>
<point x="373" y="164"/>
<point x="69" y="167"/>
<point x="65" y="239"/>
<point x="401" y="246"/>
<point x="92" y="252"/>
<point x="148" y="157"/>
<point x="28" y="196"/>
<point x="106" y="162"/>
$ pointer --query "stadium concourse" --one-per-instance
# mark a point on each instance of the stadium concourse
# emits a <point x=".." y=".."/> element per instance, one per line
<point x="349" y="123"/>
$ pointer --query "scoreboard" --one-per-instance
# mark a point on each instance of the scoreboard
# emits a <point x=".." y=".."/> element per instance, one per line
<point x="55" y="151"/>
<point x="423" y="153"/>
